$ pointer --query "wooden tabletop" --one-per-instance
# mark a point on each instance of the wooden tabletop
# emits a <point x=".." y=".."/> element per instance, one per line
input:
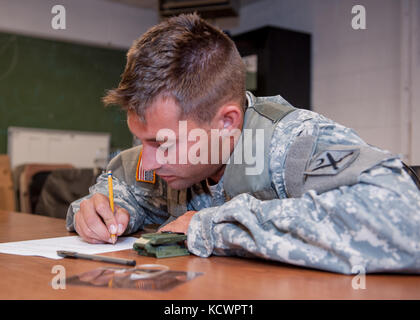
<point x="23" y="277"/>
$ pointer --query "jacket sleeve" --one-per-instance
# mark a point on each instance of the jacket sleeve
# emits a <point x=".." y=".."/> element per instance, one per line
<point x="373" y="225"/>
<point x="143" y="208"/>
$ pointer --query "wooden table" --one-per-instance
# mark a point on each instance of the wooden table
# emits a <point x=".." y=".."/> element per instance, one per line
<point x="24" y="277"/>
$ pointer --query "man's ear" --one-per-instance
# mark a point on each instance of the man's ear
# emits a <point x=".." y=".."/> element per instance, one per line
<point x="229" y="117"/>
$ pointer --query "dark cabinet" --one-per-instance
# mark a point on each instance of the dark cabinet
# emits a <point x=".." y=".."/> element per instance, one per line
<point x="279" y="61"/>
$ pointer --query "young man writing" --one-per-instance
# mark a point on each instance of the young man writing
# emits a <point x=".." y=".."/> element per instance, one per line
<point x="299" y="188"/>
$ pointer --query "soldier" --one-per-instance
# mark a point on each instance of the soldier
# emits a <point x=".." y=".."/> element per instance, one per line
<point x="322" y="198"/>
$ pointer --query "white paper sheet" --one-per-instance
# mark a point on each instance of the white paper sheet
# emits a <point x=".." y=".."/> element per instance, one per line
<point x="48" y="247"/>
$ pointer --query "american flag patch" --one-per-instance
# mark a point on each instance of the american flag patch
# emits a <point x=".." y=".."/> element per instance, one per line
<point x="142" y="175"/>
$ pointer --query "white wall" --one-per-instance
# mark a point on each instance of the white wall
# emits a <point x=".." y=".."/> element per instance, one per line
<point x="95" y="22"/>
<point x="368" y="80"/>
<point x="365" y="79"/>
<point x="357" y="72"/>
<point x="410" y="79"/>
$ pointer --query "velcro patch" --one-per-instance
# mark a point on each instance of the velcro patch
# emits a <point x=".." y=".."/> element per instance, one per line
<point x="332" y="166"/>
<point x="142" y="175"/>
<point x="331" y="162"/>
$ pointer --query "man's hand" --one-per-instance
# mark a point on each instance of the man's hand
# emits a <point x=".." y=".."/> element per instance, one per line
<point x="180" y="224"/>
<point x="95" y="222"/>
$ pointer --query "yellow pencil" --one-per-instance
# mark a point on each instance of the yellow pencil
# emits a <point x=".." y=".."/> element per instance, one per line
<point x="111" y="199"/>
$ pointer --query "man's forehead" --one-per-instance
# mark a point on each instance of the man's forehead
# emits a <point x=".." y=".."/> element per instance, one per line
<point x="163" y="105"/>
<point x="162" y="114"/>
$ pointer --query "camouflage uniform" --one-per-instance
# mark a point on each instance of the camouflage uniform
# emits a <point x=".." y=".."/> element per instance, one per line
<point x="374" y="223"/>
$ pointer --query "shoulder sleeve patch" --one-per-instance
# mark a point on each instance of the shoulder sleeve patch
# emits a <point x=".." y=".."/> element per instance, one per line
<point x="332" y="162"/>
<point x="313" y="166"/>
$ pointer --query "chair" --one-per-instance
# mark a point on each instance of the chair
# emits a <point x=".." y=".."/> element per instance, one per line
<point x="25" y="180"/>
<point x="413" y="172"/>
<point x="416" y="170"/>
<point x="7" y="196"/>
<point x="60" y="188"/>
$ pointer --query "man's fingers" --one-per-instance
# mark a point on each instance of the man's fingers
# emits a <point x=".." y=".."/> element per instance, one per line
<point x="180" y="224"/>
<point x="103" y="208"/>
<point x="122" y="217"/>
<point x="84" y="231"/>
<point x="95" y="223"/>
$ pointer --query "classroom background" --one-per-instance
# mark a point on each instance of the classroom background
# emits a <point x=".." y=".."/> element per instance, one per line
<point x="54" y="129"/>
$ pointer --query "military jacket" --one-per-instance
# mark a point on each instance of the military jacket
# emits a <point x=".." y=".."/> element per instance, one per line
<point x="368" y="220"/>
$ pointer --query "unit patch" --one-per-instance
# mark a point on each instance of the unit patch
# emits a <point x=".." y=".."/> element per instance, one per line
<point x="331" y="162"/>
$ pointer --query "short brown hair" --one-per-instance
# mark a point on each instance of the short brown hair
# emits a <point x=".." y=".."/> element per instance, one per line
<point x="187" y="59"/>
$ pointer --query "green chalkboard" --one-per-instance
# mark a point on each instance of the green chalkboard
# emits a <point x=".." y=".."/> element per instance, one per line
<point x="59" y="85"/>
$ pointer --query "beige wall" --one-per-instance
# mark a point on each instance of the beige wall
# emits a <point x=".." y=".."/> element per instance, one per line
<point x="95" y="22"/>
<point x="368" y="80"/>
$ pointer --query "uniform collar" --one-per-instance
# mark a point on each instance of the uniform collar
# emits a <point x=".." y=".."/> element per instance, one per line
<point x="250" y="99"/>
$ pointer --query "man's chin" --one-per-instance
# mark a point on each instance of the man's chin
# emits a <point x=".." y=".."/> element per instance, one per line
<point x="179" y="184"/>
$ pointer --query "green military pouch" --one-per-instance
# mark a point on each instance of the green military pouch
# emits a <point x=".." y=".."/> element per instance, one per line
<point x="161" y="245"/>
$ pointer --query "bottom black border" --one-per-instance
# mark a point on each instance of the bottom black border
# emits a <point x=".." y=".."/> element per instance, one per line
<point x="209" y="309"/>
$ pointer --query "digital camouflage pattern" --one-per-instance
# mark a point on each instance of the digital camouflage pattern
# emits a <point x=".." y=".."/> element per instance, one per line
<point x="374" y="224"/>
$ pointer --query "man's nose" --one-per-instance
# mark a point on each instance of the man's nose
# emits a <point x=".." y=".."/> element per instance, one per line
<point x="149" y="161"/>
